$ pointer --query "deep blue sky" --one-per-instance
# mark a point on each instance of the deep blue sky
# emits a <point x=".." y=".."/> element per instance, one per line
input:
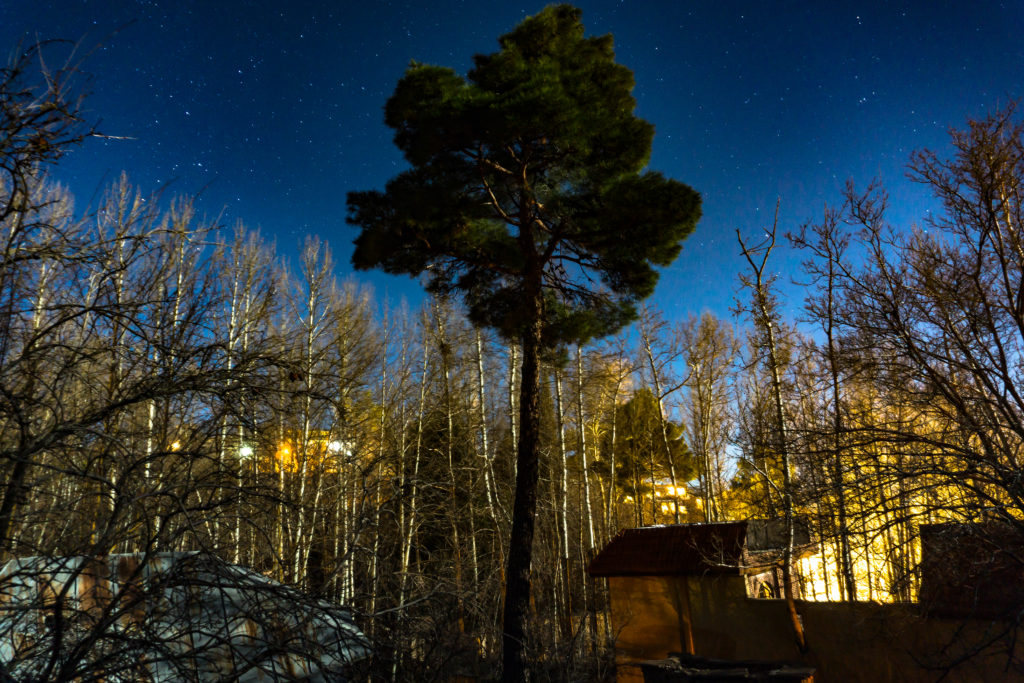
<point x="273" y="110"/>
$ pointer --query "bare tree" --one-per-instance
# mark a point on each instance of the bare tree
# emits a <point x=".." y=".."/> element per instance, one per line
<point x="942" y="307"/>
<point x="658" y="364"/>
<point x="41" y="117"/>
<point x="711" y="350"/>
<point x="764" y="315"/>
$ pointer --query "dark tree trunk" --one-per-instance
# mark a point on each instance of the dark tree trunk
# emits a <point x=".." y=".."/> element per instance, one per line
<point x="520" y="551"/>
<point x="13" y="492"/>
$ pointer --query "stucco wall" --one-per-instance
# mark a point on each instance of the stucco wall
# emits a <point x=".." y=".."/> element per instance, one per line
<point x="848" y="641"/>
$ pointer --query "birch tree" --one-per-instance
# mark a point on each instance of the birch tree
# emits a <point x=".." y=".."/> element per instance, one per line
<point x="764" y="314"/>
<point x="711" y="350"/>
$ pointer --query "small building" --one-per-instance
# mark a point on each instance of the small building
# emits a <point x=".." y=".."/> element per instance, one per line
<point x="693" y="587"/>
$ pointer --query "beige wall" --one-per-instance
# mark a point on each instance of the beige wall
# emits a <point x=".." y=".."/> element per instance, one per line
<point x="848" y="641"/>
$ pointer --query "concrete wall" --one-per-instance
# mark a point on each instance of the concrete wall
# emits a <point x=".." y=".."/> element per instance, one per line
<point x="867" y="642"/>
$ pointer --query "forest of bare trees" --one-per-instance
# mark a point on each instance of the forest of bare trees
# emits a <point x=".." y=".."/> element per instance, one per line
<point x="170" y="384"/>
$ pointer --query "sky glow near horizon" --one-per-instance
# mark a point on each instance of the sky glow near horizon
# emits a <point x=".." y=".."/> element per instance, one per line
<point x="272" y="112"/>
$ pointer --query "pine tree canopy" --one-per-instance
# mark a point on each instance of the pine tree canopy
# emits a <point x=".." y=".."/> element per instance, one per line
<point x="527" y="178"/>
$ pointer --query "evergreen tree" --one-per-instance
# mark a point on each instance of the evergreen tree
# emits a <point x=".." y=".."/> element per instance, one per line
<point x="642" y="458"/>
<point x="527" y="188"/>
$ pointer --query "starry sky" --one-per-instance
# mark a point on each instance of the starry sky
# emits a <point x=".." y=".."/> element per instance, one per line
<point x="271" y="112"/>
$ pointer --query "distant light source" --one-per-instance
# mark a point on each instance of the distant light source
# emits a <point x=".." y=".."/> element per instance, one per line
<point x="343" y="448"/>
<point x="176" y="445"/>
<point x="245" y="451"/>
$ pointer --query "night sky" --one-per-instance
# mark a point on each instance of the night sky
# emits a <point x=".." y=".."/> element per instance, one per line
<point x="272" y="111"/>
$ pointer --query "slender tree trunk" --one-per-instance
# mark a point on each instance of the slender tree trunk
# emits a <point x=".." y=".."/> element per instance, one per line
<point x="378" y="503"/>
<point x="513" y="407"/>
<point x="846" y="561"/>
<point x="611" y="512"/>
<point x="563" y="507"/>
<point x="553" y="523"/>
<point x="444" y="346"/>
<point x="278" y="456"/>
<point x="225" y="428"/>
<point x="588" y="581"/>
<point x="638" y="510"/>
<point x="787" y="489"/>
<point x="16" y="487"/>
<point x="765" y="319"/>
<point x="583" y="451"/>
<point x="493" y="502"/>
<point x="656" y="378"/>
<point x="403" y="483"/>
<point x="703" y="390"/>
<point x="409" y="532"/>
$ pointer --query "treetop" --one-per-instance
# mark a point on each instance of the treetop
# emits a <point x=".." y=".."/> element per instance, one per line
<point x="527" y="184"/>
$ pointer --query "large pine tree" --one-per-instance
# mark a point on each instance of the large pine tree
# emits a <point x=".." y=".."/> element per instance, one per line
<point x="528" y="196"/>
